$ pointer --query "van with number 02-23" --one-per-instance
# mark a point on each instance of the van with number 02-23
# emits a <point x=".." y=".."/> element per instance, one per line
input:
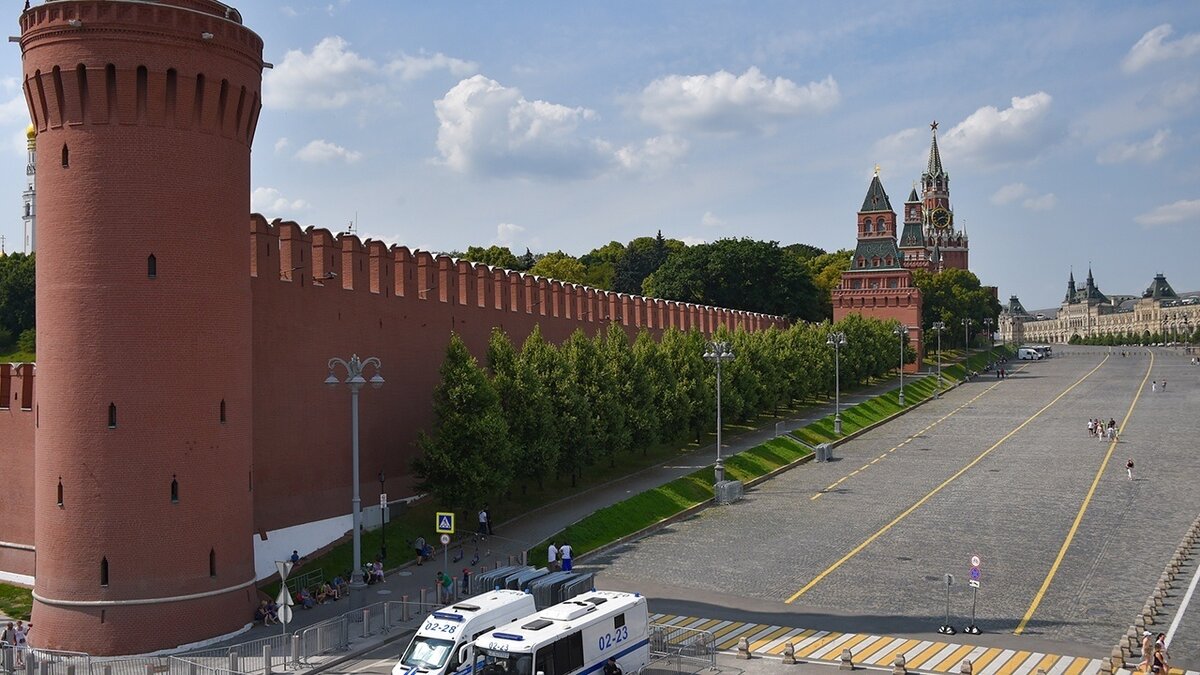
<point x="575" y="637"/>
<point x="436" y="647"/>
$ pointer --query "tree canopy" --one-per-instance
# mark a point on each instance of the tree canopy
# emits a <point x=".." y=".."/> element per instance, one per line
<point x="16" y="299"/>
<point x="755" y="276"/>
<point x="951" y="296"/>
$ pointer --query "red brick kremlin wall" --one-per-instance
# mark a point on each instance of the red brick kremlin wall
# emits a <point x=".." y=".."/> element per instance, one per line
<point x="173" y="354"/>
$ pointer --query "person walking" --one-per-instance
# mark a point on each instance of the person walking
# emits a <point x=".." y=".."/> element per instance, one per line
<point x="1091" y="427"/>
<point x="1164" y="385"/>
<point x="1153" y="385"/>
<point x="552" y="557"/>
<point x="566" y="554"/>
<point x="1160" y="646"/>
<point x="485" y="524"/>
<point x="1147" y="649"/>
<point x="1129" y="471"/>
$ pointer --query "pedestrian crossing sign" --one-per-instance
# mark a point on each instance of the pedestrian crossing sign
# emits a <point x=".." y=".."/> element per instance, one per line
<point x="445" y="522"/>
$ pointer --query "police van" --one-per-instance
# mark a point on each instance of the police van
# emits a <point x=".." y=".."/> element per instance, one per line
<point x="435" y="648"/>
<point x="575" y="637"/>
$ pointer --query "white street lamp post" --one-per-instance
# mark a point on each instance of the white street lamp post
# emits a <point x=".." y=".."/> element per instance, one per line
<point x="718" y="353"/>
<point x="939" y="326"/>
<point x="355" y="380"/>
<point x="967" y="335"/>
<point x="837" y="340"/>
<point x="987" y="326"/>
<point x="901" y="332"/>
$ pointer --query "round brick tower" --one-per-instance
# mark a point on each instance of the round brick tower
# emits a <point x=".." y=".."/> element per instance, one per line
<point x="145" y="114"/>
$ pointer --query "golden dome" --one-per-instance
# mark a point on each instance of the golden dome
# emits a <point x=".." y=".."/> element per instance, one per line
<point x="31" y="132"/>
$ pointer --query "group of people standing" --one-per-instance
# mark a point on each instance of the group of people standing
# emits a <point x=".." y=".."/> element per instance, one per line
<point x="1098" y="429"/>
<point x="17" y="637"/>
<point x="559" y="557"/>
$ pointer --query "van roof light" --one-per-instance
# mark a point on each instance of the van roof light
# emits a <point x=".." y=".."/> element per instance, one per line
<point x="510" y="636"/>
<point x="447" y="616"/>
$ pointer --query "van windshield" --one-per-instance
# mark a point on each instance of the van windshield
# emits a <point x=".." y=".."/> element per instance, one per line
<point x="427" y="653"/>
<point x="503" y="663"/>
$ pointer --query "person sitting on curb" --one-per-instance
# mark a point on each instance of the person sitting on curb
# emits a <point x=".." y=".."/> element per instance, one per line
<point x="305" y="599"/>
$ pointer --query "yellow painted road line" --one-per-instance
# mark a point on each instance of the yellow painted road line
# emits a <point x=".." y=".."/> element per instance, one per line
<point x="920" y="502"/>
<point x="752" y="630"/>
<point x="1062" y="552"/>
<point x="733" y="626"/>
<point x="831" y="647"/>
<point x="778" y="649"/>
<point x="731" y="638"/>
<point x="1044" y="663"/>
<point x="950" y="663"/>
<point x="1061" y="665"/>
<point x="809" y="641"/>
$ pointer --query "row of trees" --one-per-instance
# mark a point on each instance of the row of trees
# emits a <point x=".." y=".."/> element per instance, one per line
<point x="951" y="296"/>
<point x="16" y="302"/>
<point x="539" y="410"/>
<point x="755" y="276"/>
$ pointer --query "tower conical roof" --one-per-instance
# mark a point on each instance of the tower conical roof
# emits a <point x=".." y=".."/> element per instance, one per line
<point x="1159" y="289"/>
<point x="876" y="199"/>
<point x="1015" y="307"/>
<point x="935" y="157"/>
<point x="912" y="196"/>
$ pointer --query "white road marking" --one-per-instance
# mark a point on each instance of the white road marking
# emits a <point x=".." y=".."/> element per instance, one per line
<point x="1182" y="607"/>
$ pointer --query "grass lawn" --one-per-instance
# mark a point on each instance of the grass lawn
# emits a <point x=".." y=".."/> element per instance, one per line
<point x="18" y="357"/>
<point x="16" y="602"/>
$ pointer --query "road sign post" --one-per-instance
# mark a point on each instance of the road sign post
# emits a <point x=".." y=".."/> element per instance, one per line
<point x="946" y="628"/>
<point x="445" y="527"/>
<point x="974" y="582"/>
<point x="284" y="601"/>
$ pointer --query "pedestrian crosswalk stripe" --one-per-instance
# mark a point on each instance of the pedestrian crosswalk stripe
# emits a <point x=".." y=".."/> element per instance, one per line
<point x="928" y="656"/>
<point x="778" y="643"/>
<point x="800" y="635"/>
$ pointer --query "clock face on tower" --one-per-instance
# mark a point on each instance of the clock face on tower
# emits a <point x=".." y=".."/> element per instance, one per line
<point x="940" y="218"/>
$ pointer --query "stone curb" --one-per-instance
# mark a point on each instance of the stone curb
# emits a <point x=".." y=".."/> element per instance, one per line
<point x="356" y="652"/>
<point x="691" y="510"/>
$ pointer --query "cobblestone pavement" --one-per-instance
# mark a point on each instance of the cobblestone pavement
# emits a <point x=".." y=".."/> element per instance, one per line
<point x="1009" y="482"/>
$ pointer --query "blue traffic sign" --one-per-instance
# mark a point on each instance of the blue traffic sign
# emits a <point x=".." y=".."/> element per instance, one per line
<point x="975" y="573"/>
<point x="445" y="522"/>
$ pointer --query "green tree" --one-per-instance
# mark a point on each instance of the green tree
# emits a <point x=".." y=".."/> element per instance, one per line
<point x="951" y="296"/>
<point x="649" y="402"/>
<point x="27" y="342"/>
<point x="695" y="382"/>
<point x="17" y="307"/>
<point x="496" y="256"/>
<point x="527" y="261"/>
<point x="467" y="458"/>
<point x="575" y="395"/>
<point x="826" y="270"/>
<point x="541" y="430"/>
<point x="756" y="276"/>
<point x="643" y="257"/>
<point x="561" y="266"/>
<point x="614" y="394"/>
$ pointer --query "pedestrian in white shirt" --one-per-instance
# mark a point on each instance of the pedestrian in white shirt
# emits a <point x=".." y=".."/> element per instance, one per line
<point x="552" y="557"/>
<point x="565" y="553"/>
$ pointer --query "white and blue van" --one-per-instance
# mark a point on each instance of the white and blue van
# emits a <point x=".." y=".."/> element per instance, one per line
<point x="436" y="648"/>
<point x="575" y="637"/>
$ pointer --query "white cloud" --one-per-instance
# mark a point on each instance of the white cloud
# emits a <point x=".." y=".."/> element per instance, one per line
<point x="330" y="76"/>
<point x="1010" y="193"/>
<point x="652" y="154"/>
<point x="282" y="144"/>
<point x="416" y="67"/>
<point x="1146" y="151"/>
<point x="488" y="129"/>
<point x="507" y="234"/>
<point x="728" y="103"/>
<point x="710" y="219"/>
<point x="1167" y="214"/>
<point x="321" y="150"/>
<point x="991" y="136"/>
<point x="272" y="203"/>
<point x="1042" y="203"/>
<point x="692" y="241"/>
<point x="901" y="152"/>
<point x="1153" y="47"/>
<point x="1014" y="192"/>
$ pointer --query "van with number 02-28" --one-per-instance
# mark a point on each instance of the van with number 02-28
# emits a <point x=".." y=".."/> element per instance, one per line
<point x="436" y="648"/>
<point x="575" y="637"/>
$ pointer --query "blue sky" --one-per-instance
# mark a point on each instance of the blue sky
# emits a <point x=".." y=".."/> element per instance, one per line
<point x="1069" y="129"/>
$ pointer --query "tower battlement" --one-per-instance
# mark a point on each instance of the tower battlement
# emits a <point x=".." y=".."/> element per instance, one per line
<point x="159" y="84"/>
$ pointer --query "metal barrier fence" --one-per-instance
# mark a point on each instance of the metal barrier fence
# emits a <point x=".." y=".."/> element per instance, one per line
<point x="335" y="634"/>
<point x="696" y="646"/>
<point x="32" y="661"/>
<point x="305" y="580"/>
